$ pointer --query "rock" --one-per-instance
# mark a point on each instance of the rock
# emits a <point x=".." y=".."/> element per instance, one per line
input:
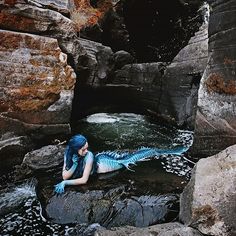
<point x="215" y="125"/>
<point x="75" y="207"/>
<point x="208" y="201"/>
<point x="139" y="83"/>
<point x="35" y="73"/>
<point x="47" y="157"/>
<point x="168" y="229"/>
<point x="108" y="209"/>
<point x="42" y="18"/>
<point x="13" y="149"/>
<point x="34" y="17"/>
<point x="85" y="15"/>
<point x="121" y="58"/>
<point x="115" y="32"/>
<point x="145" y="77"/>
<point x="96" y="61"/>
<point x="180" y="82"/>
<point x="140" y="211"/>
<point x="84" y="230"/>
<point x="62" y="6"/>
<point x="169" y="91"/>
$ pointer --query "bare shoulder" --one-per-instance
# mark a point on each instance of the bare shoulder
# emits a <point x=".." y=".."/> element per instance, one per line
<point x="89" y="156"/>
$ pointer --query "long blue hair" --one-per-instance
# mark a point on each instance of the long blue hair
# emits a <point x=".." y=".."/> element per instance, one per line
<point x="74" y="144"/>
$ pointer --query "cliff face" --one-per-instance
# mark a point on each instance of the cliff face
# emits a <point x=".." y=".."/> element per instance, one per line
<point x="215" y="125"/>
<point x="42" y="54"/>
<point x="36" y="80"/>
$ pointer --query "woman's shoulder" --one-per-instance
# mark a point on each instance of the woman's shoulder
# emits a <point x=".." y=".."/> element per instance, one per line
<point x="89" y="155"/>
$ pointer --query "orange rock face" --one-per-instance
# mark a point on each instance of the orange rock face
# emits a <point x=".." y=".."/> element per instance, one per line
<point x="85" y="15"/>
<point x="34" y="74"/>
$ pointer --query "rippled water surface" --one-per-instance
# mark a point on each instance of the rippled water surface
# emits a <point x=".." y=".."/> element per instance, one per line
<point x="130" y="131"/>
<point x="21" y="214"/>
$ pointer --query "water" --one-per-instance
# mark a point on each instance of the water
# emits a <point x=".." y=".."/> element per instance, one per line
<point x="128" y="131"/>
<point x="21" y="211"/>
<point x="21" y="214"/>
<point x="119" y="131"/>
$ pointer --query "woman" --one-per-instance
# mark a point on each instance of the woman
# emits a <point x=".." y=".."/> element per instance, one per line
<point x="78" y="163"/>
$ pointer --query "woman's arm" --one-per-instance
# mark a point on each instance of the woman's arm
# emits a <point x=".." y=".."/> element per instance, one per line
<point x="86" y="173"/>
<point x="66" y="174"/>
<point x="59" y="188"/>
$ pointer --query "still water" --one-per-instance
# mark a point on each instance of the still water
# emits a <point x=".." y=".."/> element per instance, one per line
<point x="21" y="211"/>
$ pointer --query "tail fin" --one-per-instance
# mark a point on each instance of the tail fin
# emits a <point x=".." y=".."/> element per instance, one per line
<point x="146" y="153"/>
<point x="174" y="151"/>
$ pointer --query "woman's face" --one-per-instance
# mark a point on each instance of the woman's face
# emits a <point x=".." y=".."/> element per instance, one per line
<point x="83" y="151"/>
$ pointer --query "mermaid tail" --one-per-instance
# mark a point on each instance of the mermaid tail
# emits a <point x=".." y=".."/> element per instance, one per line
<point x="111" y="161"/>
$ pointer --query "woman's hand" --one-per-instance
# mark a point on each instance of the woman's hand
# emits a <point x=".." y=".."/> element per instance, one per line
<point x="75" y="160"/>
<point x="60" y="188"/>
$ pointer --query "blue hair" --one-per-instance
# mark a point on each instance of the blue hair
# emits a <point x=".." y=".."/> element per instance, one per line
<point x="74" y="144"/>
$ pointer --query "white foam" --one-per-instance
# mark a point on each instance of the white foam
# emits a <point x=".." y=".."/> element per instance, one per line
<point x="17" y="195"/>
<point x="99" y="118"/>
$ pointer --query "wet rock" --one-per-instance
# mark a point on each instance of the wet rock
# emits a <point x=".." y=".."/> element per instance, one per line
<point x="215" y="127"/>
<point x="208" y="201"/>
<point x="75" y="207"/>
<point x="47" y="157"/>
<point x="140" y="211"/>
<point x="13" y="149"/>
<point x="85" y="230"/>
<point x="168" y="229"/>
<point x="108" y="209"/>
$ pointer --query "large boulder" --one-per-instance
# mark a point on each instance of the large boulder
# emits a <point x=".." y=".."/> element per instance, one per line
<point x="109" y="208"/>
<point x="36" y="85"/>
<point x="215" y="125"/>
<point x="38" y="17"/>
<point x="208" y="201"/>
<point x="47" y="157"/>
<point x="48" y="18"/>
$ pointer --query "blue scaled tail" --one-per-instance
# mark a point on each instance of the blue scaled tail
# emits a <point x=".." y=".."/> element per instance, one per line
<point x="110" y="161"/>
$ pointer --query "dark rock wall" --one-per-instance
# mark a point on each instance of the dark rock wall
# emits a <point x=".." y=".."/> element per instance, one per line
<point x="159" y="29"/>
<point x="215" y="127"/>
<point x="150" y="30"/>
